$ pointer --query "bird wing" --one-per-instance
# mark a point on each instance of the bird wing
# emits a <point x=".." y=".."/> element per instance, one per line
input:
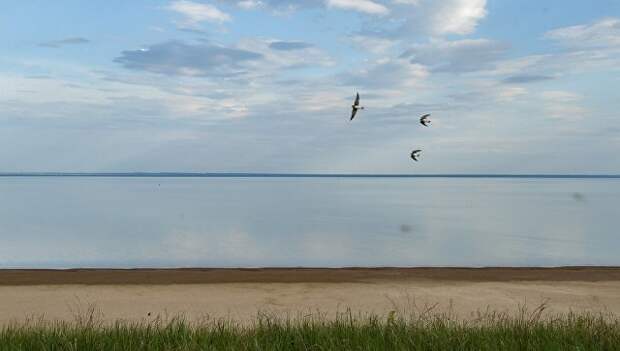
<point x="353" y="112"/>
<point x="357" y="99"/>
<point x="414" y="154"/>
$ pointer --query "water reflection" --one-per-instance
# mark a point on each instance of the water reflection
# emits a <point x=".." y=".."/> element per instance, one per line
<point x="124" y="222"/>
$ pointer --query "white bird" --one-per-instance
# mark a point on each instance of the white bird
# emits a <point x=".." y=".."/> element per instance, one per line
<point x="415" y="154"/>
<point x="425" y="120"/>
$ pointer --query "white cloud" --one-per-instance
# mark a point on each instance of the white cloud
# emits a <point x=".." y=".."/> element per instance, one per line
<point x="406" y="2"/>
<point x="39" y="90"/>
<point x="195" y="13"/>
<point x="274" y="61"/>
<point x="603" y="33"/>
<point x="459" y="16"/>
<point x="387" y="74"/>
<point x="250" y="4"/>
<point x="588" y="48"/>
<point x="564" y="105"/>
<point x="466" y="55"/>
<point x="411" y="19"/>
<point x="519" y="65"/>
<point x="566" y="112"/>
<point x="365" y="6"/>
<point x="508" y="94"/>
<point x="374" y="45"/>
<point x="560" y="96"/>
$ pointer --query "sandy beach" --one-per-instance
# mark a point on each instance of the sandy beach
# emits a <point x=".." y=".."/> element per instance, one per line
<point x="240" y="294"/>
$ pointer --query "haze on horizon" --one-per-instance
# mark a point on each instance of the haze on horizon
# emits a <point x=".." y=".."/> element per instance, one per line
<point x="266" y="86"/>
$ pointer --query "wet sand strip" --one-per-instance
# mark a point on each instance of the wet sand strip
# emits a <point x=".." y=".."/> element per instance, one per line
<point x="13" y="277"/>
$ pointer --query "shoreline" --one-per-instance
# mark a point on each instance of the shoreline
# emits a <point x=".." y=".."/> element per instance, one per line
<point x="165" y="276"/>
<point x="240" y="294"/>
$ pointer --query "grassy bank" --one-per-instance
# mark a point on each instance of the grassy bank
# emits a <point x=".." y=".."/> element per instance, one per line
<point x="346" y="332"/>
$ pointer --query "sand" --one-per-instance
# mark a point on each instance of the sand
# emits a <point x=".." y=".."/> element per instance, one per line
<point x="241" y="294"/>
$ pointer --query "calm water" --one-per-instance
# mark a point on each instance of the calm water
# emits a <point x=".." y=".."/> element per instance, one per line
<point x="126" y="222"/>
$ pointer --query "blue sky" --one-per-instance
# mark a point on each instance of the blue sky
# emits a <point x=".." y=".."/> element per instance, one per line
<point x="249" y="85"/>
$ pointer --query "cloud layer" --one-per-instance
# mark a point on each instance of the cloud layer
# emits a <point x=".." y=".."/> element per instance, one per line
<point x="365" y="6"/>
<point x="195" y="13"/>
<point x="267" y="85"/>
<point x="63" y="42"/>
<point x="179" y="58"/>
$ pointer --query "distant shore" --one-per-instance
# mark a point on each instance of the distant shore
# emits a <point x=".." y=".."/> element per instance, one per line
<point x="104" y="276"/>
<point x="301" y="175"/>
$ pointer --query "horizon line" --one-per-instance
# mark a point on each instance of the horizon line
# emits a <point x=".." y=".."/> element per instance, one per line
<point x="305" y="175"/>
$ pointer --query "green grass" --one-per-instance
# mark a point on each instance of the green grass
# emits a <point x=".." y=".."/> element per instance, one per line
<point x="491" y="331"/>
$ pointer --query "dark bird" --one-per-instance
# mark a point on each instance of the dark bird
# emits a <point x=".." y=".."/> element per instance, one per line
<point x="356" y="106"/>
<point x="415" y="154"/>
<point x="425" y="120"/>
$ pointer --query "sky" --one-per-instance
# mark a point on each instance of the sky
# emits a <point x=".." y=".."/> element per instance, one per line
<point x="267" y="85"/>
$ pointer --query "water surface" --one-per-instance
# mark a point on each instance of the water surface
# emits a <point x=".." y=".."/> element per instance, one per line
<point x="59" y="222"/>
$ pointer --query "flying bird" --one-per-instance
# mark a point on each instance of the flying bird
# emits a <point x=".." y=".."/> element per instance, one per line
<point x="356" y="106"/>
<point x="425" y="120"/>
<point x="415" y="154"/>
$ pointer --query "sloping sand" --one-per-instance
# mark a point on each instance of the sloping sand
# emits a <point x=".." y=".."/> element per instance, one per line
<point x="241" y="294"/>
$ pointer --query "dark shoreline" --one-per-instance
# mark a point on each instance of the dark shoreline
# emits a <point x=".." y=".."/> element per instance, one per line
<point x="296" y="175"/>
<point x="166" y="276"/>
